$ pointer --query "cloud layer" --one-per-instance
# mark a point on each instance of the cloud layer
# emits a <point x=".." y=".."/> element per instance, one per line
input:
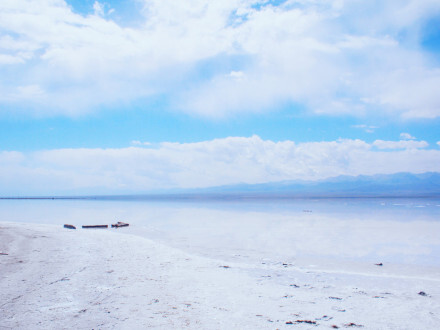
<point x="209" y="163"/>
<point x="219" y="58"/>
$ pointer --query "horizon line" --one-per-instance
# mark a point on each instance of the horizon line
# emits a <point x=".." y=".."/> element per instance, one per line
<point x="219" y="196"/>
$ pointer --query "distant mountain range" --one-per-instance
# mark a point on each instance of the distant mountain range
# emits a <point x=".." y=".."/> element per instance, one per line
<point x="380" y="185"/>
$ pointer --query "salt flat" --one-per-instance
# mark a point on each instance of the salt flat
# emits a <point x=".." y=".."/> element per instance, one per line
<point x="55" y="278"/>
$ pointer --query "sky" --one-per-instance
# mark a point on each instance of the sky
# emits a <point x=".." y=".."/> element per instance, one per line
<point x="111" y="96"/>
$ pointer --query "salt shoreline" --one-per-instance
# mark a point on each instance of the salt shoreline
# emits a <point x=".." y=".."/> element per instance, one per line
<point x="56" y="278"/>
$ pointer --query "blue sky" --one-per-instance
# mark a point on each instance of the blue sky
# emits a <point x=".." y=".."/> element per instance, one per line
<point x="241" y="90"/>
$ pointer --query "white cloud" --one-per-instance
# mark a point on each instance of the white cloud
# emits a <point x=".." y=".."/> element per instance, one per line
<point x="98" y="8"/>
<point x="208" y="163"/>
<point x="332" y="56"/>
<point x="11" y="157"/>
<point x="412" y="91"/>
<point x="10" y="59"/>
<point x="403" y="144"/>
<point x="238" y="75"/>
<point x="33" y="92"/>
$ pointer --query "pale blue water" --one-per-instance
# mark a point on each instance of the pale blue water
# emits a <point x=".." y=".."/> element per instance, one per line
<point x="399" y="231"/>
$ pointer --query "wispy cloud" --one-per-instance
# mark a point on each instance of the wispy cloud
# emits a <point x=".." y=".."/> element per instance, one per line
<point x="208" y="163"/>
<point x="407" y="136"/>
<point x="366" y="128"/>
<point x="333" y="57"/>
<point x="139" y="143"/>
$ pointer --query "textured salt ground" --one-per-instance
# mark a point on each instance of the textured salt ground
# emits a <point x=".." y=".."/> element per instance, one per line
<point x="54" y="278"/>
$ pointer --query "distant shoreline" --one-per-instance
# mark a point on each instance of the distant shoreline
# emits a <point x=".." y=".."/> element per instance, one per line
<point x="220" y="197"/>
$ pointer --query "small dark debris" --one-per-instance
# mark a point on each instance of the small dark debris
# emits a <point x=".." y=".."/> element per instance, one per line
<point x="335" y="298"/>
<point x="69" y="226"/>
<point x="306" y="321"/>
<point x="3" y="254"/>
<point x="422" y="293"/>
<point x="379" y="264"/>
<point x="324" y="318"/>
<point x="294" y="285"/>
<point x="289" y="322"/>
<point x="335" y="326"/>
<point x="351" y="324"/>
<point x="225" y="266"/>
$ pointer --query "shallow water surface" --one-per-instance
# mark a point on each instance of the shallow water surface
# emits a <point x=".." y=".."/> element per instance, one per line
<point x="324" y="232"/>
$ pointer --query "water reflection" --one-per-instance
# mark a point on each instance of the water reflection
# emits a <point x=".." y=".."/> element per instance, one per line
<point x="387" y="230"/>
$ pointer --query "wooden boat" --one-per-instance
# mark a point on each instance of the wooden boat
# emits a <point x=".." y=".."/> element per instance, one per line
<point x="120" y="224"/>
<point x="95" y="226"/>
